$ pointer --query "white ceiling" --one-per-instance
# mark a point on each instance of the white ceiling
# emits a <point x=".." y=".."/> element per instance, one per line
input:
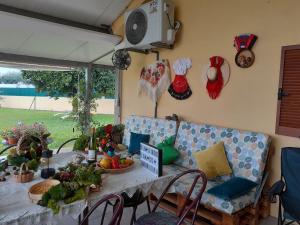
<point x="27" y="36"/>
<point x="92" y="12"/>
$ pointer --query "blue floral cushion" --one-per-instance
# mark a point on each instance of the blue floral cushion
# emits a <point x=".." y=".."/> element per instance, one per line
<point x="246" y="151"/>
<point x="211" y="201"/>
<point x="159" y="129"/>
<point x="157" y="218"/>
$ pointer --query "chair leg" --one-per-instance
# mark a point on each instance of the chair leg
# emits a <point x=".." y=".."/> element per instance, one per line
<point x="79" y="219"/>
<point x="104" y="212"/>
<point x="148" y="204"/>
<point x="133" y="217"/>
<point x="279" y="220"/>
<point x="85" y="212"/>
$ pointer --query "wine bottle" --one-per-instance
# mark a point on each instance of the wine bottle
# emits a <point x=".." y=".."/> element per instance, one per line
<point x="92" y="150"/>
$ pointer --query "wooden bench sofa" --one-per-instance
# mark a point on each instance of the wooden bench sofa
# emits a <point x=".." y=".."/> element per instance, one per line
<point x="247" y="153"/>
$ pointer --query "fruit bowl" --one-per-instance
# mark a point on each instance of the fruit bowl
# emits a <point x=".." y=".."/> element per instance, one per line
<point x="108" y="165"/>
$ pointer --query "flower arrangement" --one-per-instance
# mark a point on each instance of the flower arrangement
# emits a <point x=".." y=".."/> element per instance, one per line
<point x="15" y="133"/>
<point x="105" y="136"/>
<point x="32" y="140"/>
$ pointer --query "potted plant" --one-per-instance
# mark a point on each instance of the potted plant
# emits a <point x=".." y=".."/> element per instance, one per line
<point x="11" y="138"/>
<point x="117" y="133"/>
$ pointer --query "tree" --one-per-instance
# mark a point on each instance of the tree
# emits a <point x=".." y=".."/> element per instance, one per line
<point x="65" y="83"/>
<point x="11" y="78"/>
<point x="54" y="83"/>
<point x="72" y="84"/>
<point x="104" y="82"/>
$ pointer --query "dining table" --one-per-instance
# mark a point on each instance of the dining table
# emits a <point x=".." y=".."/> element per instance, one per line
<point x="16" y="208"/>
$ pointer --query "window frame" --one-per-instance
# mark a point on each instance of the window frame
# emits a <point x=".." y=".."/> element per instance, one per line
<point x="283" y="130"/>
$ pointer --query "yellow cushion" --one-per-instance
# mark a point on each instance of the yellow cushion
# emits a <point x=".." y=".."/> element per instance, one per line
<point x="213" y="161"/>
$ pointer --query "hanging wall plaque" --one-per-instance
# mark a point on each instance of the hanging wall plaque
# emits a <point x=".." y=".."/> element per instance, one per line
<point x="243" y="43"/>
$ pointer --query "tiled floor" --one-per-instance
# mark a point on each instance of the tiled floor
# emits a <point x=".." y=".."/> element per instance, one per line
<point x="95" y="220"/>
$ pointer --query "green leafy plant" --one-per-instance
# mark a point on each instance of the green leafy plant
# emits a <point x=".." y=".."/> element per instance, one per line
<point x="10" y="134"/>
<point x="81" y="143"/>
<point x="3" y="134"/>
<point x="75" y="180"/>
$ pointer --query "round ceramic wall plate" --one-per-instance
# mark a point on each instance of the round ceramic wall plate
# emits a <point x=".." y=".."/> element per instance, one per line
<point x="244" y="58"/>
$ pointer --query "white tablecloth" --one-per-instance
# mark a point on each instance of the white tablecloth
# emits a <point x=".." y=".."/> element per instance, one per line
<point x="17" y="209"/>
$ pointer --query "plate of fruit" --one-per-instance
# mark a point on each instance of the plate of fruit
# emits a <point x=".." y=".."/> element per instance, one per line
<point x="115" y="164"/>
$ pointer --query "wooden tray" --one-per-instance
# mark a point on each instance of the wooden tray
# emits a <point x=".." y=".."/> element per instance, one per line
<point x="122" y="170"/>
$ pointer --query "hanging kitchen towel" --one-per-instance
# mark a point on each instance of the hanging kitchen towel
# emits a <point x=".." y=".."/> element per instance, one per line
<point x="154" y="79"/>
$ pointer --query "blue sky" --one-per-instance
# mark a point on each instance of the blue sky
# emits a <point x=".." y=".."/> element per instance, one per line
<point x="4" y="70"/>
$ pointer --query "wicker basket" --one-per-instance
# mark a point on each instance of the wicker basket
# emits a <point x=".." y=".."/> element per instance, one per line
<point x="23" y="145"/>
<point x="36" y="191"/>
<point x="24" y="175"/>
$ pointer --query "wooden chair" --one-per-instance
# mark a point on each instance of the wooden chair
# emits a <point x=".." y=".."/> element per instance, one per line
<point x="117" y="212"/>
<point x="189" y="206"/>
<point x="130" y="202"/>
<point x="63" y="144"/>
<point x="6" y="149"/>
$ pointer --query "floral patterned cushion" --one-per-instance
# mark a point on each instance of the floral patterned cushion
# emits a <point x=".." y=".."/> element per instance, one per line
<point x="246" y="151"/>
<point x="229" y="207"/>
<point x="159" y="129"/>
<point x="157" y="218"/>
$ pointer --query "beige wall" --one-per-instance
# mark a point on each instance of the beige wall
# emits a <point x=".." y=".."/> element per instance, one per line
<point x="104" y="106"/>
<point x="249" y="100"/>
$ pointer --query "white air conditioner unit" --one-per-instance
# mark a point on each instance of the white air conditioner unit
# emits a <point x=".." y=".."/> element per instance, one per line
<point x="149" y="26"/>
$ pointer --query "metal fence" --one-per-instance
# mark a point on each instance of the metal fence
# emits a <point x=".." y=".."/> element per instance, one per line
<point x="21" y="92"/>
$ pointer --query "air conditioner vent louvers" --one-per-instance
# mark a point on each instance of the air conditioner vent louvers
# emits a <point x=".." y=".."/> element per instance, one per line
<point x="136" y="27"/>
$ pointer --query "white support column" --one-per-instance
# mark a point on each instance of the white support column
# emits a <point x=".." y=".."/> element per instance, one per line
<point x="88" y="97"/>
<point x="118" y="93"/>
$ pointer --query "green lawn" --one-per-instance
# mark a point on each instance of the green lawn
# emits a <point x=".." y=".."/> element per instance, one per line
<point x="61" y="130"/>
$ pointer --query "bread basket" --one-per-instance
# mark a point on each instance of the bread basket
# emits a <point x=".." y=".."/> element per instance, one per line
<point x="36" y="191"/>
<point x="25" y="175"/>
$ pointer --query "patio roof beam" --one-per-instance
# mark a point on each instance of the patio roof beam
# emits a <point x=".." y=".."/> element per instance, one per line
<point x="48" y="62"/>
<point x="22" y="12"/>
<point x="32" y="60"/>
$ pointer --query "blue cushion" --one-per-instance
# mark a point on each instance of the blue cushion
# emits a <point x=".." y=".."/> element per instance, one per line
<point x="135" y="142"/>
<point x="233" y="188"/>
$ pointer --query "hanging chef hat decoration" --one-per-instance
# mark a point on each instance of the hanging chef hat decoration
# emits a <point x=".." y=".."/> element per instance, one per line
<point x="179" y="88"/>
<point x="215" y="76"/>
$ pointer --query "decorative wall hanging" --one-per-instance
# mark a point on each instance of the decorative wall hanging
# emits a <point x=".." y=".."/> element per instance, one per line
<point x="243" y="44"/>
<point x="179" y="89"/>
<point x="215" y="76"/>
<point x="154" y="80"/>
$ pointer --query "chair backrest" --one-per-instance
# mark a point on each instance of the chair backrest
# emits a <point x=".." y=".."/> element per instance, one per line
<point x="290" y="167"/>
<point x="7" y="148"/>
<point x="198" y="185"/>
<point x="117" y="213"/>
<point x="246" y="151"/>
<point x="159" y="129"/>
